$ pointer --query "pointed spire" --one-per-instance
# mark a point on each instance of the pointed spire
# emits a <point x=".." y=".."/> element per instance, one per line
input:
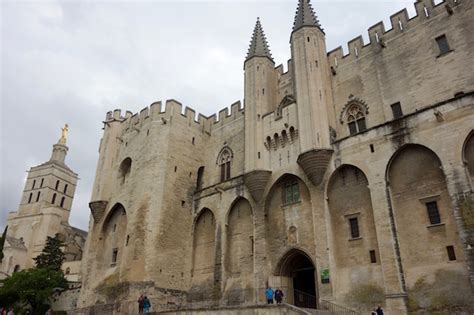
<point x="305" y="16"/>
<point x="258" y="44"/>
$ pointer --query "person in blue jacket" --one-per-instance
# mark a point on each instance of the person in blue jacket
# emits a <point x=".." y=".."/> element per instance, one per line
<point x="269" y="295"/>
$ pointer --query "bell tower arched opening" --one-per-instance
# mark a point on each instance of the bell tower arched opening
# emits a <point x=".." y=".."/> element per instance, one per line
<point x="297" y="270"/>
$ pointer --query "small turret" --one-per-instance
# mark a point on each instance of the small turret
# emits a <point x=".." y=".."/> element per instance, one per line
<point x="258" y="45"/>
<point x="260" y="95"/>
<point x="305" y="16"/>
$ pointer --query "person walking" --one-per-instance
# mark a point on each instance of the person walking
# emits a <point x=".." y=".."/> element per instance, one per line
<point x="11" y="312"/>
<point x="146" y="305"/>
<point x="379" y="310"/>
<point x="140" y="304"/>
<point x="278" y="296"/>
<point x="269" y="295"/>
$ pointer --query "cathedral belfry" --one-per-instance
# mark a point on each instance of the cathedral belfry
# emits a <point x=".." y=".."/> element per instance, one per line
<point x="44" y="211"/>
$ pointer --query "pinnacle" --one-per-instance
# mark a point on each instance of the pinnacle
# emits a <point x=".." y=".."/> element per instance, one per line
<point x="305" y="16"/>
<point x="258" y="44"/>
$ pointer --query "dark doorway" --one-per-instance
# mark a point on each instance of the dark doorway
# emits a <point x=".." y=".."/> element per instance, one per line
<point x="299" y="267"/>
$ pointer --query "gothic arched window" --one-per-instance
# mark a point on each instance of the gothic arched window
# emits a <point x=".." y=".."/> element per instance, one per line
<point x="356" y="119"/>
<point x="224" y="161"/>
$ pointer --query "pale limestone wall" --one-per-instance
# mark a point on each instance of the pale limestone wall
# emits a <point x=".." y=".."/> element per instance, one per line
<point x="188" y="246"/>
<point x="409" y="69"/>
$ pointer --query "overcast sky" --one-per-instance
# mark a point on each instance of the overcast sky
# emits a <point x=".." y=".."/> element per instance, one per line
<point x="72" y="61"/>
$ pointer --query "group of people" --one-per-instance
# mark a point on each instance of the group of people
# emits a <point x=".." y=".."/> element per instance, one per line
<point x="144" y="304"/>
<point x="377" y="310"/>
<point x="270" y="295"/>
<point x="5" y="311"/>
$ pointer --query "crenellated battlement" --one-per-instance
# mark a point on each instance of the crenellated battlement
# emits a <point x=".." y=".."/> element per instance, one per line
<point x="172" y="110"/>
<point x="400" y="22"/>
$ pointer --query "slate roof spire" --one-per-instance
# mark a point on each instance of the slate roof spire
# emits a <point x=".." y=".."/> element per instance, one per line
<point x="305" y="16"/>
<point x="258" y="45"/>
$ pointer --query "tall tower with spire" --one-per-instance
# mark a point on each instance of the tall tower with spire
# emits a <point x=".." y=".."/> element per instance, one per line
<point x="312" y="86"/>
<point x="44" y="208"/>
<point x="260" y="95"/>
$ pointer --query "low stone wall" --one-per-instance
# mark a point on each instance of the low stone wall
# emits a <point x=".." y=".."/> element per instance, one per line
<point x="283" y="309"/>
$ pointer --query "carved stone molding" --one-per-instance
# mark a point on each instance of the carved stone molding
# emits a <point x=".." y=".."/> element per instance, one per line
<point x="256" y="181"/>
<point x="315" y="163"/>
<point x="98" y="209"/>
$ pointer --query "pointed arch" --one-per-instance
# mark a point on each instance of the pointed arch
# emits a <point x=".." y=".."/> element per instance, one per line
<point x="224" y="162"/>
<point x="422" y="210"/>
<point x="204" y="243"/>
<point x="352" y="228"/>
<point x="239" y="240"/>
<point x="114" y="229"/>
<point x="468" y="155"/>
<point x="286" y="260"/>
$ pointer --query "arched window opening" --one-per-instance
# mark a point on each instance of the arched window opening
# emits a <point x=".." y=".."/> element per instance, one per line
<point x="38" y="196"/>
<point x="29" y="199"/>
<point x="16" y="269"/>
<point x="200" y="178"/>
<point x="284" y="138"/>
<point x="224" y="161"/>
<point x="356" y="119"/>
<point x="276" y="138"/>
<point x="65" y="188"/>
<point x="125" y="168"/>
<point x="62" y="202"/>
<point x="57" y="185"/>
<point x="53" y="200"/>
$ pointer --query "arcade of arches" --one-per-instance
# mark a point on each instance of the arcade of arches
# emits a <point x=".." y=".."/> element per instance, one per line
<point x="420" y="203"/>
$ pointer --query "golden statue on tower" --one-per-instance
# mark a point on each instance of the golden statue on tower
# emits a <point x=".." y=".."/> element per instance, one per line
<point x="64" y="132"/>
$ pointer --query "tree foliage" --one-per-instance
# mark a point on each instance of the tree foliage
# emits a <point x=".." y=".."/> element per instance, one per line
<point x="33" y="287"/>
<point x="52" y="256"/>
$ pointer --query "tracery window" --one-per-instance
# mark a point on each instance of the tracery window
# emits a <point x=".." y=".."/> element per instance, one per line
<point x="224" y="162"/>
<point x="356" y="119"/>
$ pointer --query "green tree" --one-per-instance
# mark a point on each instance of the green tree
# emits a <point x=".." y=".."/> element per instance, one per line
<point x="32" y="287"/>
<point x="2" y="242"/>
<point x="52" y="256"/>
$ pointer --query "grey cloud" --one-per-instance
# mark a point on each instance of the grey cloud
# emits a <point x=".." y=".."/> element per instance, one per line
<point x="73" y="61"/>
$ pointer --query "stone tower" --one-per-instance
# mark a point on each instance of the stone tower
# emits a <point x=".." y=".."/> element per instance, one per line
<point x="44" y="209"/>
<point x="260" y="85"/>
<point x="312" y="86"/>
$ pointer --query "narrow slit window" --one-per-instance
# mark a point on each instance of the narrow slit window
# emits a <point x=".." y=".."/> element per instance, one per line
<point x="34" y="183"/>
<point x="62" y="202"/>
<point x="53" y="200"/>
<point x="443" y="45"/>
<point x="57" y="185"/>
<point x="433" y="212"/>
<point x="29" y="199"/>
<point x="396" y="110"/>
<point x="42" y="181"/>
<point x="65" y="188"/>
<point x="354" y="225"/>
<point x="38" y="196"/>
<point x="114" y="255"/>
<point x="451" y="253"/>
<point x="373" y="257"/>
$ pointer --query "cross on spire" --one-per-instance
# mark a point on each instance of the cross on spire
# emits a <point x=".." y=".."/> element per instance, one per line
<point x="258" y="45"/>
<point x="305" y="16"/>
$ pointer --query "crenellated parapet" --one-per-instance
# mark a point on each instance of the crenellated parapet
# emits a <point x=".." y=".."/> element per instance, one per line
<point x="172" y="110"/>
<point x="400" y="22"/>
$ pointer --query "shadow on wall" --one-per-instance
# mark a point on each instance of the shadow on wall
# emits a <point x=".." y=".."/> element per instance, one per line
<point x="449" y="293"/>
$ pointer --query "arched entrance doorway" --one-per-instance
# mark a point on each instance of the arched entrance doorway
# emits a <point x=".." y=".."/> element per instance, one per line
<point x="297" y="270"/>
